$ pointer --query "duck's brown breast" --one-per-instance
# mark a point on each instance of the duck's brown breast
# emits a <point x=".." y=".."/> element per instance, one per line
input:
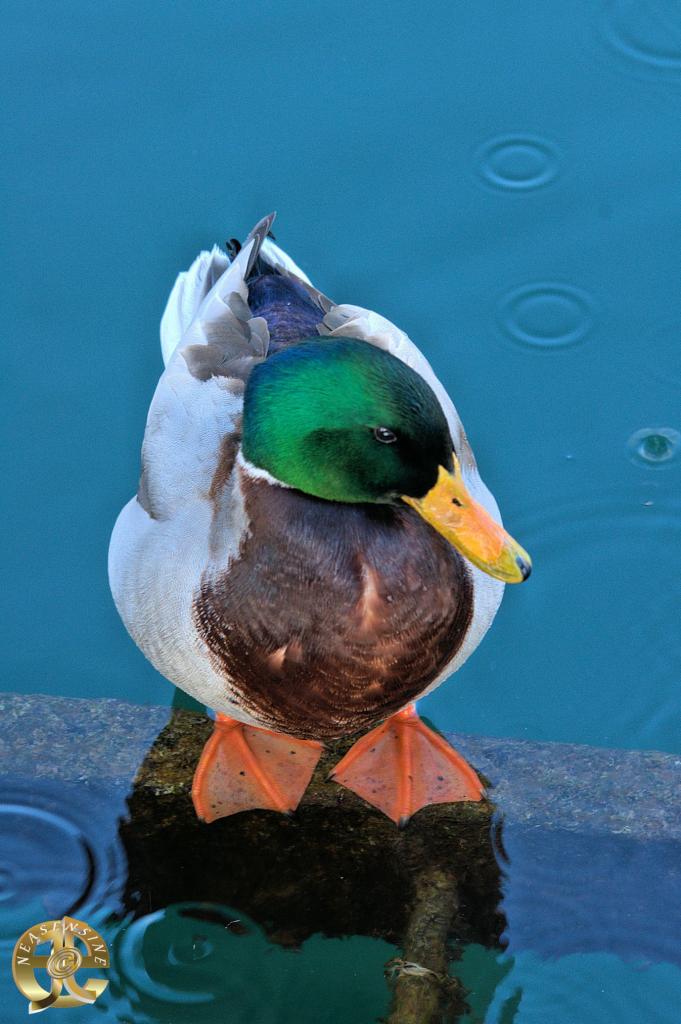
<point x="333" y="616"/>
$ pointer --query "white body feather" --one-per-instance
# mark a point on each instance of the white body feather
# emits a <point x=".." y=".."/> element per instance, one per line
<point x="156" y="563"/>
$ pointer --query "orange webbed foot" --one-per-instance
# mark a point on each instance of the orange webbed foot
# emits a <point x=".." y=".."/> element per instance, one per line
<point x="242" y="767"/>
<point x="402" y="766"/>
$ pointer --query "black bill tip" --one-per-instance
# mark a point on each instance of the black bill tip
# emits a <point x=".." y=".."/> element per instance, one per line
<point x="524" y="566"/>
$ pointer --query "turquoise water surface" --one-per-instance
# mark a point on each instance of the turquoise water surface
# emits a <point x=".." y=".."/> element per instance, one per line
<point x="499" y="179"/>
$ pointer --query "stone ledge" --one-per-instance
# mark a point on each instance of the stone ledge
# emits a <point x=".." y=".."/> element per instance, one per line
<point x="560" y="785"/>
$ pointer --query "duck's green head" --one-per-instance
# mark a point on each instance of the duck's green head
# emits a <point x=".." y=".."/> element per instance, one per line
<point x="345" y="421"/>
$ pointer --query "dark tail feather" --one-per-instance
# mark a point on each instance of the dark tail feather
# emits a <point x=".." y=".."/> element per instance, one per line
<point x="256" y="265"/>
<point x="292" y="308"/>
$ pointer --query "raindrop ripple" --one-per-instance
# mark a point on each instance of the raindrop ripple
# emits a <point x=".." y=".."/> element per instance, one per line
<point x="648" y="34"/>
<point x="546" y="315"/>
<point x="170" y="959"/>
<point x="56" y="856"/>
<point x="517" y="162"/>
<point x="654" y="447"/>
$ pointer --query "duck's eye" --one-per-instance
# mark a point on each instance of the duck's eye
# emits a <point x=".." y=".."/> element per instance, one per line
<point x="385" y="435"/>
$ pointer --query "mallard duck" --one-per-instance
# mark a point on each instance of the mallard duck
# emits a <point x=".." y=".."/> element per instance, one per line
<point x="311" y="548"/>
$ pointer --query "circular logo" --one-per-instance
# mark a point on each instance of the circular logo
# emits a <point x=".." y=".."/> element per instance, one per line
<point x="52" y="945"/>
<point x="64" y="963"/>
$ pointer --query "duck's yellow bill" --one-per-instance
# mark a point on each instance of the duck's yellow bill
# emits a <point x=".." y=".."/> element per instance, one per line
<point x="450" y="509"/>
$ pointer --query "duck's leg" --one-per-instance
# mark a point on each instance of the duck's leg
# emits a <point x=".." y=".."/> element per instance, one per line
<point x="242" y="768"/>
<point x="402" y="765"/>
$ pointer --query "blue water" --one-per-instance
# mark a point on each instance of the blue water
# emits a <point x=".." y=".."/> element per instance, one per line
<point x="499" y="179"/>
